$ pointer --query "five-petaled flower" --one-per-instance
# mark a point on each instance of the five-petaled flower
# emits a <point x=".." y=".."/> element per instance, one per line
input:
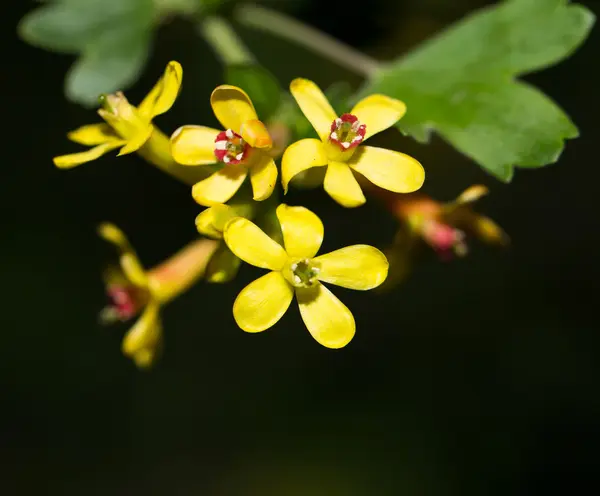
<point x="242" y="147"/>
<point x="133" y="290"/>
<point x="444" y="226"/>
<point x="296" y="270"/>
<point x="339" y="150"/>
<point x="126" y="127"/>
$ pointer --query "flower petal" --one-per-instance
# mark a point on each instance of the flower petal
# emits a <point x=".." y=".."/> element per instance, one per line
<point x="488" y="231"/>
<point x="93" y="134"/>
<point x="300" y="156"/>
<point x="472" y="194"/>
<point x="302" y="231"/>
<point x="130" y="264"/>
<point x="326" y="318"/>
<point x="359" y="267"/>
<point x="388" y="169"/>
<point x="314" y="105"/>
<point x="256" y="134"/>
<point x="211" y="222"/>
<point x="221" y="186"/>
<point x="162" y="97"/>
<point x="378" y="112"/>
<point x="206" y="221"/>
<point x="145" y="333"/>
<point x="137" y="141"/>
<point x="262" y="303"/>
<point x="246" y="240"/>
<point x="194" y="145"/>
<point x="74" y="159"/>
<point x="263" y="175"/>
<point x="232" y="107"/>
<point x="342" y="186"/>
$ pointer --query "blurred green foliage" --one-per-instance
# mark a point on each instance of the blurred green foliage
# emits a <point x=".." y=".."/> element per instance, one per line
<point x="462" y="83"/>
<point x="111" y="37"/>
<point x="262" y="87"/>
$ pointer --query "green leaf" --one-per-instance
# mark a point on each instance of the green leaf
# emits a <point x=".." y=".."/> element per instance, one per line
<point x="462" y="83"/>
<point x="59" y="28"/>
<point x="262" y="87"/>
<point x="102" y="69"/>
<point x="111" y="36"/>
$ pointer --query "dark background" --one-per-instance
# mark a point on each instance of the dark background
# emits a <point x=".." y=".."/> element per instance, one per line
<point x="475" y="377"/>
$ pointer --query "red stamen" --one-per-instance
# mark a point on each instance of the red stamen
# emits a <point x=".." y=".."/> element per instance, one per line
<point x="347" y="132"/>
<point x="230" y="148"/>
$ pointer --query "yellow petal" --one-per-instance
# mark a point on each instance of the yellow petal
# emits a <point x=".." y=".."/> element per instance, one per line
<point x="137" y="141"/>
<point x="221" y="186"/>
<point x="211" y="222"/>
<point x="262" y="303"/>
<point x="388" y="169"/>
<point x="263" y="176"/>
<point x="472" y="194"/>
<point x="232" y="107"/>
<point x="93" y="134"/>
<point x="314" y="105"/>
<point x="302" y="231"/>
<point x="74" y="159"/>
<point x="194" y="145"/>
<point x="130" y="264"/>
<point x="359" y="267"/>
<point x="111" y="233"/>
<point x="342" y="186"/>
<point x="246" y="240"/>
<point x="300" y="156"/>
<point x="145" y="333"/>
<point x="256" y="134"/>
<point x="326" y="318"/>
<point x="133" y="269"/>
<point x="162" y="97"/>
<point x="488" y="231"/>
<point x="378" y="112"/>
<point x="205" y="222"/>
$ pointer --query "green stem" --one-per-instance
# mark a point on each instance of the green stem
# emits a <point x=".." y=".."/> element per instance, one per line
<point x="288" y="28"/>
<point x="225" y="41"/>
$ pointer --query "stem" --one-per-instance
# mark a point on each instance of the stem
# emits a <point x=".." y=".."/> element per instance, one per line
<point x="288" y="28"/>
<point x="157" y="151"/>
<point x="225" y="41"/>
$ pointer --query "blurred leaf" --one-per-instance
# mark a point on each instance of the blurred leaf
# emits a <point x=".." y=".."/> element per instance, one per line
<point x="105" y="70"/>
<point x="462" y="83"/>
<point x="59" y="28"/>
<point x="111" y="36"/>
<point x="339" y="95"/>
<point x="262" y="87"/>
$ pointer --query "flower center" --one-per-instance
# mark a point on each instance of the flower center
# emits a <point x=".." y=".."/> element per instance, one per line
<point x="230" y="148"/>
<point x="124" y="303"/>
<point x="445" y="239"/>
<point x="347" y="132"/>
<point x="303" y="273"/>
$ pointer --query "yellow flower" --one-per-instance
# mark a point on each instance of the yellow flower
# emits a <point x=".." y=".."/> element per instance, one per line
<point x="296" y="270"/>
<point x="243" y="147"/>
<point x="339" y="150"/>
<point x="131" y="290"/>
<point x="126" y="126"/>
<point x="443" y="226"/>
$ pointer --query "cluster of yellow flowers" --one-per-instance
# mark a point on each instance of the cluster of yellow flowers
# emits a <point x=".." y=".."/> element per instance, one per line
<point x="245" y="148"/>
